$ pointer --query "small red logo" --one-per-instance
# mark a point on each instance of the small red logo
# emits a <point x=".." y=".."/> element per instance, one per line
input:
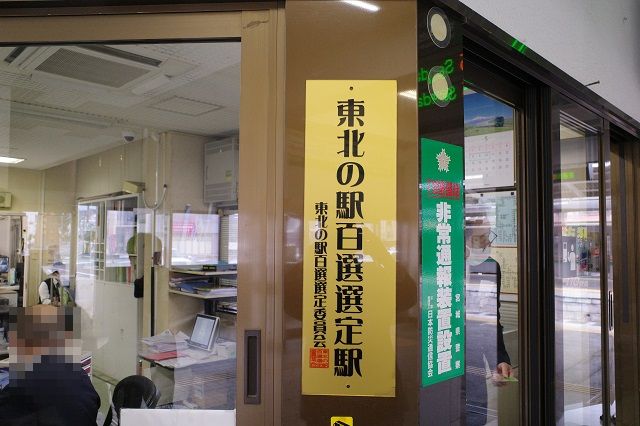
<point x="443" y="189"/>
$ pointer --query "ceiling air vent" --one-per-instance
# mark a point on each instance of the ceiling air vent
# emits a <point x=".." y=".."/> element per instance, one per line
<point x="123" y="54"/>
<point x="185" y="106"/>
<point x="79" y="66"/>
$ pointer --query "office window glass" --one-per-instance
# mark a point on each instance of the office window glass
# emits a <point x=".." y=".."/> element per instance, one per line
<point x="119" y="198"/>
<point x="195" y="239"/>
<point x="491" y="253"/>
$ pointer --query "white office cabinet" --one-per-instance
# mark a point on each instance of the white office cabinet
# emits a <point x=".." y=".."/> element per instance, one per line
<point x="221" y="172"/>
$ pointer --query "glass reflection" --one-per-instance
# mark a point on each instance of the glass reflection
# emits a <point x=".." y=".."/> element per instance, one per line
<point x="491" y="239"/>
<point x="577" y="251"/>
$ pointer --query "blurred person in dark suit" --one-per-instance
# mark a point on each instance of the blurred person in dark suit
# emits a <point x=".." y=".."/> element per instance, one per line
<point x="47" y="385"/>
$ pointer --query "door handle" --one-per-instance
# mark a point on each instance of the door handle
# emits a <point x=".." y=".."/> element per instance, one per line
<point x="252" y="350"/>
<point x="610" y="313"/>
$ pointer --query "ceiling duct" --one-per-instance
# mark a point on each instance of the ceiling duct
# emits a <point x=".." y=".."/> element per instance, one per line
<point x="14" y="54"/>
<point x="58" y="114"/>
<point x="185" y="106"/>
<point x="95" y="64"/>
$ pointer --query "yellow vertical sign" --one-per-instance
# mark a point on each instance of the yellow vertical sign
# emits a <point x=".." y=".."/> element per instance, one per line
<point x="349" y="284"/>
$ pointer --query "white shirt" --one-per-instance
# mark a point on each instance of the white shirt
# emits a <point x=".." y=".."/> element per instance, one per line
<point x="43" y="291"/>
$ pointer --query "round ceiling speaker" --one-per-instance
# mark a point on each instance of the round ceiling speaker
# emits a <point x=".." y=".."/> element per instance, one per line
<point x="439" y="27"/>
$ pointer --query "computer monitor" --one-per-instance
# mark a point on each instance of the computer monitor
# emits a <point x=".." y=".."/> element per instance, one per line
<point x="205" y="332"/>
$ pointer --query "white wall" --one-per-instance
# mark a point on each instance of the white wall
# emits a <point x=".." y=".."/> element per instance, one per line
<point x="590" y="40"/>
<point x="25" y="186"/>
<point x="60" y="188"/>
<point x="186" y="172"/>
<point x="110" y="317"/>
<point x="104" y="173"/>
<point x="5" y="236"/>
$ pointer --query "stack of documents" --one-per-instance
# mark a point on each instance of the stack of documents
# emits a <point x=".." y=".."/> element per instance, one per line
<point x="217" y="291"/>
<point x="188" y="285"/>
<point x="165" y="342"/>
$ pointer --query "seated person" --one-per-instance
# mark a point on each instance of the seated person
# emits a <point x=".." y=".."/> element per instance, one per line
<point x="46" y="386"/>
<point x="51" y="292"/>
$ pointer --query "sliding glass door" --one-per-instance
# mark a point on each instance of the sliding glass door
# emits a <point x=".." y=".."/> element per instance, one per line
<point x="581" y="263"/>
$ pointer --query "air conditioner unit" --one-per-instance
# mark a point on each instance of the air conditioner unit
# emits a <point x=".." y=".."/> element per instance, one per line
<point x="96" y="65"/>
<point x="5" y="200"/>
<point x="221" y="163"/>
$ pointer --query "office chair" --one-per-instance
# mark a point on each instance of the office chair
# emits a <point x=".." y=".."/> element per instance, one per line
<point x="132" y="392"/>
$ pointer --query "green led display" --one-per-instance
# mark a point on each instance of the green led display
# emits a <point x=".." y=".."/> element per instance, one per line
<point x="518" y="46"/>
<point x="426" y="100"/>
<point x="564" y="176"/>
<point x="447" y="68"/>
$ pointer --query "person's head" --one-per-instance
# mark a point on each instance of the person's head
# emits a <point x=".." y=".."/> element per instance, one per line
<point x="478" y="233"/>
<point x="55" y="275"/>
<point x="43" y="330"/>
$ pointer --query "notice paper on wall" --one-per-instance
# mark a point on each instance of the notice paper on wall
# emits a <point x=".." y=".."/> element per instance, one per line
<point x="501" y="211"/>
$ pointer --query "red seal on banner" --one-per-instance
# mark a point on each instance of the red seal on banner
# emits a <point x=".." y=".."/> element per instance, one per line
<point x="318" y="358"/>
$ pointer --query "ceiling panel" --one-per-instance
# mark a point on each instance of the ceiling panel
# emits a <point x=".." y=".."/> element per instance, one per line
<point x="188" y="87"/>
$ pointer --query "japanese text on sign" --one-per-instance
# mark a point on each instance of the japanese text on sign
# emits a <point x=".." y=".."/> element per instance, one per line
<point x="442" y="262"/>
<point x="349" y="266"/>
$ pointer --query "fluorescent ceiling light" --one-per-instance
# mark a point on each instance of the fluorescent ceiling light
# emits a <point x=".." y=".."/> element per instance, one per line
<point x="363" y="5"/>
<point x="11" y="160"/>
<point x="411" y="94"/>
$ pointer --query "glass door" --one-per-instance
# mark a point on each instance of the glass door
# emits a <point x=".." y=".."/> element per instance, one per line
<point x="495" y="284"/>
<point x="492" y="287"/>
<point x="581" y="264"/>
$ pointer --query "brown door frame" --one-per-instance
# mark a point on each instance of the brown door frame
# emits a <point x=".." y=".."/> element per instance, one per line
<point x="625" y="188"/>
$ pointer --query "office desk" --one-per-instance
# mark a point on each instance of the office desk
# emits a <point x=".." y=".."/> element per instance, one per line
<point x="208" y="383"/>
<point x="10" y="292"/>
<point x="9" y="288"/>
